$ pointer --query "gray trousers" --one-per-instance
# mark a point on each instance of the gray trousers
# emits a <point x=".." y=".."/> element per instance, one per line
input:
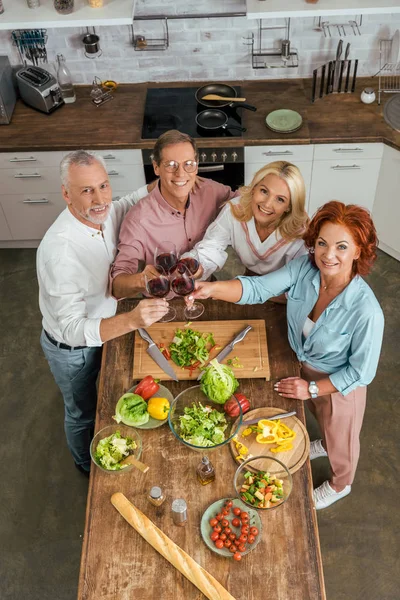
<point x="75" y="372"/>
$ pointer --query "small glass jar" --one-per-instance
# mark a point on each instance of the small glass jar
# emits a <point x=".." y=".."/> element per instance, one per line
<point x="64" y="7"/>
<point x="156" y="496"/>
<point x="368" y="96"/>
<point x="33" y="3"/>
<point x="179" y="512"/>
<point x="205" y="471"/>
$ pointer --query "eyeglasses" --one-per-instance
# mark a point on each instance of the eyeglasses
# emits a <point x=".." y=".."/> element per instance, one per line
<point x="171" y="166"/>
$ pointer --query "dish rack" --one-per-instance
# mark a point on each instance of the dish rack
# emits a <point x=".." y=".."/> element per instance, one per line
<point x="271" y="58"/>
<point x="389" y="72"/>
<point x="144" y="44"/>
<point x="31" y="45"/>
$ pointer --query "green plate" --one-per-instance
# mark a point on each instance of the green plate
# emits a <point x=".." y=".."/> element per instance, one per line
<point x="216" y="508"/>
<point x="163" y="392"/>
<point x="284" y="120"/>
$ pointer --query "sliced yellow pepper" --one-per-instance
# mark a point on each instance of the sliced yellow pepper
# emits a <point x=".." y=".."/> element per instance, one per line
<point x="269" y="439"/>
<point x="247" y="431"/>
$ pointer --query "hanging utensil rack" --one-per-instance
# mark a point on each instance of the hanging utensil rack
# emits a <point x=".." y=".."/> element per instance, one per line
<point x="144" y="44"/>
<point x="352" y="27"/>
<point x="271" y="58"/>
<point x="31" y="45"/>
<point x="389" y="72"/>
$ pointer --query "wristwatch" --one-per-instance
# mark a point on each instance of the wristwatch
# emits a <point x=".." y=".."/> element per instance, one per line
<point x="313" y="389"/>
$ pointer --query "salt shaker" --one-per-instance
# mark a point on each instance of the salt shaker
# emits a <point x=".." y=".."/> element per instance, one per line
<point x="179" y="512"/>
<point x="368" y="95"/>
<point x="156" y="496"/>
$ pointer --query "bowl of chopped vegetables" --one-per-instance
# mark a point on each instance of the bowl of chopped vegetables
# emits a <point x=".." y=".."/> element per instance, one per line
<point x="200" y="423"/>
<point x="263" y="482"/>
<point x="112" y="444"/>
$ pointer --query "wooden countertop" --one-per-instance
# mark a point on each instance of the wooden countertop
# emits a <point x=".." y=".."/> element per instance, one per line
<point x="118" y="564"/>
<point x="118" y="124"/>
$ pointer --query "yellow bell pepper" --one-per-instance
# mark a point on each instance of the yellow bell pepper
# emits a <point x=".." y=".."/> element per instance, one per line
<point x="158" y="408"/>
<point x="247" y="431"/>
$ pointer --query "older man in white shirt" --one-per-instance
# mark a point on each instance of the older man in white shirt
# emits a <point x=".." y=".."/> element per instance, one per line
<point x="73" y="262"/>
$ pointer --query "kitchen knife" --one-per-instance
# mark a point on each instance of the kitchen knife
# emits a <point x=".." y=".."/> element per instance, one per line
<point x="314" y="85"/>
<point x="228" y="349"/>
<point x="321" y="89"/>
<point x="157" y="355"/>
<point x="353" y="87"/>
<point x="339" y="51"/>
<point x="273" y="418"/>
<point x="329" y="77"/>
<point x="346" y="87"/>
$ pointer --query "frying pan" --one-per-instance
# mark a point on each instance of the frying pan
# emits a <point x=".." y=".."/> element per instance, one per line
<point x="222" y="90"/>
<point x="212" y="118"/>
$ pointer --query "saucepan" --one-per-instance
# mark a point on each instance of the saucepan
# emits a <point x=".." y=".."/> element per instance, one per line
<point x="213" y="118"/>
<point x="222" y="90"/>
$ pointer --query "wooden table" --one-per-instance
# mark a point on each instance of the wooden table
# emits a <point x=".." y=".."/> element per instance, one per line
<point x="118" y="564"/>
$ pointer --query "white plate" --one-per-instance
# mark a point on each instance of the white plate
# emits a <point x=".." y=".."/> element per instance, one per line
<point x="395" y="48"/>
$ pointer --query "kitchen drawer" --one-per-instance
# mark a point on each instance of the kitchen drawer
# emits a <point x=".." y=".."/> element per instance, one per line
<point x="9" y="160"/>
<point x="5" y="233"/>
<point x="121" y="157"/>
<point x="347" y="151"/>
<point x="126" y="177"/>
<point x="30" y="215"/>
<point x="266" y="154"/>
<point x="23" y="180"/>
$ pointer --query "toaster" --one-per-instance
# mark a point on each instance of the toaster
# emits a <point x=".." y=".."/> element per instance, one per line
<point x="8" y="94"/>
<point x="39" y="88"/>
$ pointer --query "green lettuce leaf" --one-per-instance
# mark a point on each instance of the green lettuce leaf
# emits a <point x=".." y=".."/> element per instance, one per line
<point x="131" y="409"/>
<point x="218" y="382"/>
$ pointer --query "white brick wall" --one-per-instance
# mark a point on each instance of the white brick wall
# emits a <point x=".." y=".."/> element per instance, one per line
<point x="205" y="49"/>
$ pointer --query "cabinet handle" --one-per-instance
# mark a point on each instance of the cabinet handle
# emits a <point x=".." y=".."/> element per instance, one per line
<point x="41" y="201"/>
<point x="348" y="150"/>
<point x="112" y="173"/>
<point x="109" y="157"/>
<point x="345" y="167"/>
<point x="28" y="176"/>
<point x="211" y="168"/>
<point x="30" y="159"/>
<point x="278" y="153"/>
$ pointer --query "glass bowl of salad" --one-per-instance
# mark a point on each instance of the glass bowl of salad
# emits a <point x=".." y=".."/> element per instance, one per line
<point x="263" y="482"/>
<point x="200" y="423"/>
<point x="112" y="444"/>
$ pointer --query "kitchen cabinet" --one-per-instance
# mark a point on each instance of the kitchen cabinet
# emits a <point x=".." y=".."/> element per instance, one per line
<point x="272" y="9"/>
<point x="345" y="172"/>
<point x="17" y="15"/>
<point x="386" y="208"/>
<point x="5" y="233"/>
<point x="258" y="156"/>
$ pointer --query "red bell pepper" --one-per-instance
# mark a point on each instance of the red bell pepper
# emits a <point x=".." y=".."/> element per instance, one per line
<point x="147" y="388"/>
<point x="231" y="407"/>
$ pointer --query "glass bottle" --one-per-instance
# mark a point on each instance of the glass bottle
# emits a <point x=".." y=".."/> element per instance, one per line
<point x="65" y="80"/>
<point x="156" y="496"/>
<point x="64" y="7"/>
<point x="205" y="471"/>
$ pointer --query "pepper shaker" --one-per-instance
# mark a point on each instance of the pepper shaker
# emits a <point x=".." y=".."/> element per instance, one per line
<point x="368" y="96"/>
<point x="156" y="496"/>
<point x="179" y="512"/>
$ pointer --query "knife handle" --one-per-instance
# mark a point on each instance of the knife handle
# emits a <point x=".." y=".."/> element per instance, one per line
<point x="144" y="335"/>
<point x="241" y="335"/>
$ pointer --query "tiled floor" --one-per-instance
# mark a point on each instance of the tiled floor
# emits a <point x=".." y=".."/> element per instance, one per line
<point x="43" y="497"/>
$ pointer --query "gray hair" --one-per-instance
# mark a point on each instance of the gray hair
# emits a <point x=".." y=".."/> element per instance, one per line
<point x="79" y="158"/>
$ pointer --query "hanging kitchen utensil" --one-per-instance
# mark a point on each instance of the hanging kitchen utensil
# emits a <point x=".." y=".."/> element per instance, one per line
<point x="213" y="118"/>
<point x="221" y="89"/>
<point x="91" y="41"/>
<point x="343" y="66"/>
<point x="336" y="74"/>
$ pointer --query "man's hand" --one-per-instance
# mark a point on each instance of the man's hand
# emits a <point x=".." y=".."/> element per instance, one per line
<point x="293" y="387"/>
<point x="150" y="272"/>
<point x="148" y="312"/>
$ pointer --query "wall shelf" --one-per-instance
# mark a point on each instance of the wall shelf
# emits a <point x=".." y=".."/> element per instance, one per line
<point x="272" y="9"/>
<point x="17" y="15"/>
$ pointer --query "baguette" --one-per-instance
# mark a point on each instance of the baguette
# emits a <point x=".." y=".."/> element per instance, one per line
<point x="205" y="582"/>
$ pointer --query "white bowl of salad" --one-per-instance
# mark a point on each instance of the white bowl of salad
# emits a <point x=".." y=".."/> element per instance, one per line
<point x="112" y="444"/>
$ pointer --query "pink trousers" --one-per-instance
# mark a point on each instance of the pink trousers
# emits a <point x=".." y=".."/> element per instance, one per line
<point x="340" y="419"/>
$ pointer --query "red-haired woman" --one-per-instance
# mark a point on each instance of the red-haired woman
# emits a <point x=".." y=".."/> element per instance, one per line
<point x="335" y="326"/>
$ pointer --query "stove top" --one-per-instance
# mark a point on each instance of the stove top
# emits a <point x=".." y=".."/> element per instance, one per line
<point x="176" y="108"/>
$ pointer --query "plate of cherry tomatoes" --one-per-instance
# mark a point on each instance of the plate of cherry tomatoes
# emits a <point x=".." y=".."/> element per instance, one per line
<point x="230" y="529"/>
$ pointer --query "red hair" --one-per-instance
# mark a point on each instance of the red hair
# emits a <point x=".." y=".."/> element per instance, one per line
<point x="357" y="221"/>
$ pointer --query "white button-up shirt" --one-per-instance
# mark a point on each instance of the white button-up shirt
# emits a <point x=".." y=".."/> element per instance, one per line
<point x="73" y="263"/>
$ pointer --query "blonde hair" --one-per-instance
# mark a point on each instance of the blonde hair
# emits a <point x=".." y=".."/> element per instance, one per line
<point x="293" y="223"/>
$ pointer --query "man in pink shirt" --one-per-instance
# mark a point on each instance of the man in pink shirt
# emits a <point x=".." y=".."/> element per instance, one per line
<point x="175" y="211"/>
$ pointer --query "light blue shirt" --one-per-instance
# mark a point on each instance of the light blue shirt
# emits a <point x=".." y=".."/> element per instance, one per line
<point x="346" y="340"/>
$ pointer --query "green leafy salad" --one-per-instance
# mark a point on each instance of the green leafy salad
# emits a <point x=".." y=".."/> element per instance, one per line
<point x="112" y="450"/>
<point x="202" y="426"/>
<point x="131" y="409"/>
<point x="191" y="347"/>
<point x="218" y="382"/>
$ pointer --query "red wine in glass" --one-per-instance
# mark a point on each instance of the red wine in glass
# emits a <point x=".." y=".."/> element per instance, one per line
<point x="191" y="263"/>
<point x="182" y="283"/>
<point x="183" y="286"/>
<point x="167" y="261"/>
<point x="158" y="287"/>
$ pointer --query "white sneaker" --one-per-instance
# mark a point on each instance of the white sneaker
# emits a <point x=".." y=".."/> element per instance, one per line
<point x="324" y="495"/>
<point x="317" y="450"/>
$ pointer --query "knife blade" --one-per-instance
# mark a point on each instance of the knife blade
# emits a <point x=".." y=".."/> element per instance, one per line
<point x="228" y="349"/>
<point x="157" y="355"/>
<point x="346" y="87"/>
<point x="273" y="418"/>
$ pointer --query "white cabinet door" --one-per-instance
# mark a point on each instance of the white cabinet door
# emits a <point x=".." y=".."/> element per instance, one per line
<point x="386" y="209"/>
<point x="30" y="215"/>
<point x="126" y="177"/>
<point x="5" y="233"/>
<point x="349" y="181"/>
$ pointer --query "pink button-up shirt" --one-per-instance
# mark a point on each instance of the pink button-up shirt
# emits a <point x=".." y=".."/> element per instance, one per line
<point x="153" y="220"/>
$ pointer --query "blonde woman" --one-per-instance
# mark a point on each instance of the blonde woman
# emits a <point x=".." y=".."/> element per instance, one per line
<point x="264" y="225"/>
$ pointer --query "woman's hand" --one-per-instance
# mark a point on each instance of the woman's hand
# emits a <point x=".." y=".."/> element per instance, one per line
<point x="293" y="387"/>
<point x="203" y="290"/>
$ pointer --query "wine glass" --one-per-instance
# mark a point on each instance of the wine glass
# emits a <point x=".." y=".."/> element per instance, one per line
<point x="182" y="283"/>
<point x="159" y="287"/>
<point x="166" y="256"/>
<point x="191" y="262"/>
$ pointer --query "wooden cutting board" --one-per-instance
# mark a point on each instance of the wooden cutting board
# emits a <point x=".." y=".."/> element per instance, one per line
<point x="252" y="352"/>
<point x="293" y="459"/>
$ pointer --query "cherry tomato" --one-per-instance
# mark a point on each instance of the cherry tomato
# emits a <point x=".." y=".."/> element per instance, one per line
<point x="237" y="556"/>
<point x="232" y="536"/>
<point x="227" y="543"/>
<point x="254" y="531"/>
<point x="251" y="539"/>
<point x="228" y="504"/>
<point x="214" y="536"/>
<point x="243" y="515"/>
<point x="219" y="517"/>
<point x="236" y="511"/>
<point x="243" y="538"/>
<point x="219" y="544"/>
<point x="245" y="529"/>
<point x="218" y="528"/>
<point x="222" y="536"/>
<point x="225" y="523"/>
<point x="242" y="548"/>
<point x="237" y="542"/>
<point x="236" y="522"/>
<point x="213" y="522"/>
<point x="227" y="530"/>
<point x="245" y="520"/>
<point x="226" y="512"/>
<point x="232" y="548"/>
